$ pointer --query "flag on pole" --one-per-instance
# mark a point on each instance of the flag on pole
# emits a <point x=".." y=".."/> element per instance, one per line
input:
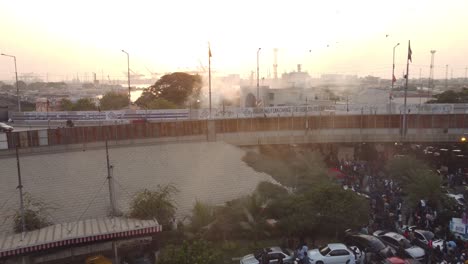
<point x="209" y="52"/>
<point x="394" y="79"/>
<point x="410" y="53"/>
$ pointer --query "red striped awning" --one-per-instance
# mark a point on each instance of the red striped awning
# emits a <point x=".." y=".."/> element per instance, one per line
<point x="69" y="234"/>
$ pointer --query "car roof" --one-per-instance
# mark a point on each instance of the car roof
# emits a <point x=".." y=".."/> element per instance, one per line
<point x="334" y="246"/>
<point x="274" y="250"/>
<point x="367" y="237"/>
<point x="424" y="232"/>
<point x="394" y="235"/>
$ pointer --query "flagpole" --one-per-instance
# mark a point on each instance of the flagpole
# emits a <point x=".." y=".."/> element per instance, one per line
<point x="209" y="74"/>
<point x="405" y="125"/>
<point x="393" y="79"/>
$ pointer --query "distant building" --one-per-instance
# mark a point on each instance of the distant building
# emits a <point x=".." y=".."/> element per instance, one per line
<point x="48" y="105"/>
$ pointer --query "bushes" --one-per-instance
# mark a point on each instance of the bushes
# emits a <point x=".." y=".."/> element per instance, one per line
<point x="155" y="204"/>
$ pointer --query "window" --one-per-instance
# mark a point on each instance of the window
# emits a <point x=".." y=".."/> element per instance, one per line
<point x="419" y="236"/>
<point x="324" y="250"/>
<point x="390" y="241"/>
<point x="339" y="252"/>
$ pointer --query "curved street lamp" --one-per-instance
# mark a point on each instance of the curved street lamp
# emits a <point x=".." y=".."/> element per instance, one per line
<point x="128" y="77"/>
<point x="16" y="76"/>
<point x="393" y="74"/>
<point x="258" y="77"/>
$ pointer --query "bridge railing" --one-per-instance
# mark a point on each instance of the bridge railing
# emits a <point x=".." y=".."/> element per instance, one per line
<point x="176" y="129"/>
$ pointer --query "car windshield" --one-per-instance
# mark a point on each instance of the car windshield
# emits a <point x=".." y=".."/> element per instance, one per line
<point x="428" y="235"/>
<point x="287" y="251"/>
<point x="405" y="243"/>
<point x="324" y="250"/>
<point x="376" y="244"/>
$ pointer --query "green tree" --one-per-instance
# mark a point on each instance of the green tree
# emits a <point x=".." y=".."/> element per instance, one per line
<point x="84" y="104"/>
<point x="416" y="178"/>
<point x="35" y="212"/>
<point x="155" y="204"/>
<point x="179" y="88"/>
<point x="202" y="216"/>
<point x="66" y="104"/>
<point x="195" y="252"/>
<point x="323" y="209"/>
<point x="114" y="101"/>
<point x="161" y="103"/>
<point x="450" y="97"/>
<point x="21" y="85"/>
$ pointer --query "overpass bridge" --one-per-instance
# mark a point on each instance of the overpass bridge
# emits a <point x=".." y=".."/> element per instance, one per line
<point x="331" y="128"/>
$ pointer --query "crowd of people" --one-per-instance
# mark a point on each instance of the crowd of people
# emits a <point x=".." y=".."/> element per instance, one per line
<point x="389" y="212"/>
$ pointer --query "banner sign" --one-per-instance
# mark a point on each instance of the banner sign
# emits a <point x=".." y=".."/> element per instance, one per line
<point x="236" y="112"/>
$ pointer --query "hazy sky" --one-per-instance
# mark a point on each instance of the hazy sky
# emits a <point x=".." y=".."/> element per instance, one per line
<point x="63" y="38"/>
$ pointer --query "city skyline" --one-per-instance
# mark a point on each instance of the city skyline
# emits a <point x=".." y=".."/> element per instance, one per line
<point x="63" y="39"/>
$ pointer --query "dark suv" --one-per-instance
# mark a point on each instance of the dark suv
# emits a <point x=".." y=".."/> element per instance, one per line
<point x="370" y="245"/>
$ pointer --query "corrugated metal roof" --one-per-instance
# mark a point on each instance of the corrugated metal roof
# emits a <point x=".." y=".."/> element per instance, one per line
<point x="82" y="231"/>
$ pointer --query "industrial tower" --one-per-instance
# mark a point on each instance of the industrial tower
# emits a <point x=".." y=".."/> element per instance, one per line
<point x="431" y="73"/>
<point x="275" y="65"/>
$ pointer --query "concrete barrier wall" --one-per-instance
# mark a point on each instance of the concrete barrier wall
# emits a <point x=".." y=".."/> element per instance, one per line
<point x="3" y="141"/>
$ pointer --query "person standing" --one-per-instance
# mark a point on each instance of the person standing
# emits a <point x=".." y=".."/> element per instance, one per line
<point x="302" y="253"/>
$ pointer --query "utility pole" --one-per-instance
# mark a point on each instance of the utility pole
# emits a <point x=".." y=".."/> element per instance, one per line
<point x="446" y="77"/>
<point x="20" y="188"/>
<point x="209" y="74"/>
<point x="110" y="182"/>
<point x="16" y="76"/>
<point x="431" y="73"/>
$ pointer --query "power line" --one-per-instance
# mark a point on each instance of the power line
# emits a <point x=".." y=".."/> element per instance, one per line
<point x="87" y="207"/>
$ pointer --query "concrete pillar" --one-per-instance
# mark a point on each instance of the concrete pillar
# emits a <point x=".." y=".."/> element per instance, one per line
<point x="211" y="130"/>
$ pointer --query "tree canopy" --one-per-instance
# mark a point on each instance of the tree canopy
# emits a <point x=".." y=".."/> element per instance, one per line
<point x="418" y="181"/>
<point x="178" y="88"/>
<point x="84" y="104"/>
<point x="114" y="101"/>
<point x="155" y="204"/>
<point x="450" y="97"/>
<point x="193" y="252"/>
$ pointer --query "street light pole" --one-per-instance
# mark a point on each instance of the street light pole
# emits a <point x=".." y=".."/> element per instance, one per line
<point x="393" y="74"/>
<point x="128" y="77"/>
<point x="258" y="77"/>
<point x="16" y="76"/>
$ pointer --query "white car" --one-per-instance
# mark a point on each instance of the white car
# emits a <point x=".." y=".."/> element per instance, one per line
<point x="401" y="244"/>
<point x="335" y="253"/>
<point x="5" y="128"/>
<point x="272" y="254"/>
<point x="458" y="198"/>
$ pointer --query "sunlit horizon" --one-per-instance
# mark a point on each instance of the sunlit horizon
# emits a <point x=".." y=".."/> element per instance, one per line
<point x="62" y="39"/>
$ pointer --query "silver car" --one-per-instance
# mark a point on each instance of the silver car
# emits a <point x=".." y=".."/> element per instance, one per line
<point x="272" y="254"/>
<point x="400" y="244"/>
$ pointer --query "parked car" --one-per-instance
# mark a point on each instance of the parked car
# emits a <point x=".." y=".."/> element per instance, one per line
<point x="5" y="128"/>
<point x="272" y="254"/>
<point x="335" y="253"/>
<point x="458" y="198"/>
<point x="397" y="260"/>
<point x="402" y="246"/>
<point x="370" y="245"/>
<point x="426" y="239"/>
